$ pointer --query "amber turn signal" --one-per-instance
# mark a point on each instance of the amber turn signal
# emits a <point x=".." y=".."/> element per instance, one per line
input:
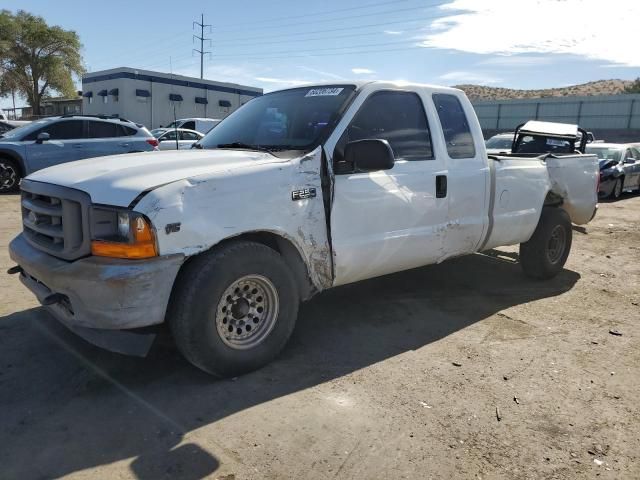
<point x="142" y="244"/>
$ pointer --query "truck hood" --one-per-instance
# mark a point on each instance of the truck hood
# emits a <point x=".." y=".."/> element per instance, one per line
<point x="117" y="180"/>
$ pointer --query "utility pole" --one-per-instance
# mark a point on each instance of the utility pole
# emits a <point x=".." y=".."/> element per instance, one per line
<point x="202" y="25"/>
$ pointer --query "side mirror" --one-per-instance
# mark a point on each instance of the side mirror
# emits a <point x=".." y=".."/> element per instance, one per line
<point x="629" y="160"/>
<point x="161" y="139"/>
<point x="42" y="137"/>
<point x="369" y="155"/>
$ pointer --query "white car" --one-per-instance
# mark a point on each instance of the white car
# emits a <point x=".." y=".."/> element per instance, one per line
<point x="499" y="144"/>
<point x="14" y="123"/>
<point x="176" y="139"/>
<point x="295" y="192"/>
<point x="202" y="125"/>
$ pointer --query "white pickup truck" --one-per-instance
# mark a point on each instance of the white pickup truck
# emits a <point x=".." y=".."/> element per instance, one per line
<point x="296" y="192"/>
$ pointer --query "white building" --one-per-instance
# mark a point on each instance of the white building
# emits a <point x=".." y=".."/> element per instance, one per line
<point x="155" y="99"/>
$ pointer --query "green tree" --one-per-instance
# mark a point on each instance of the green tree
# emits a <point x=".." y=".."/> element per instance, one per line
<point x="37" y="59"/>
<point x="634" y="87"/>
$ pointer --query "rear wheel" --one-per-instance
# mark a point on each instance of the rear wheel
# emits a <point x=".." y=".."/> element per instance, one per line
<point x="234" y="308"/>
<point x="9" y="175"/>
<point x="546" y="252"/>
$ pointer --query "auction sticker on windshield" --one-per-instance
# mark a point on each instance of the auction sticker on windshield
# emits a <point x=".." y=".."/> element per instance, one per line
<point x="323" y="92"/>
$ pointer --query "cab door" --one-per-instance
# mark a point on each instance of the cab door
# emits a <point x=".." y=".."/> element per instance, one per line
<point x="389" y="220"/>
<point x="468" y="177"/>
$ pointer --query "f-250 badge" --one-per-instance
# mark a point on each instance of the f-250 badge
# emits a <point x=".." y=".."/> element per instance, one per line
<point x="303" y="193"/>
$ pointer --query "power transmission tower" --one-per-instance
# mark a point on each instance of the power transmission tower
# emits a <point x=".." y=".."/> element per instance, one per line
<point x="202" y="53"/>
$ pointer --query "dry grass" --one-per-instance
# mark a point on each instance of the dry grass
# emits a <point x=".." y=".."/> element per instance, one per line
<point x="599" y="87"/>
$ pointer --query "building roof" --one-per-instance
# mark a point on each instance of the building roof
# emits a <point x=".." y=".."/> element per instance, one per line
<point x="169" y="78"/>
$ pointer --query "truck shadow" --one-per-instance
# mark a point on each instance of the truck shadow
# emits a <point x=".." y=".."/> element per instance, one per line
<point x="69" y="406"/>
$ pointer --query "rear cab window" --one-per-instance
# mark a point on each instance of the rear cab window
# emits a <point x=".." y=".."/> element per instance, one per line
<point x="455" y="126"/>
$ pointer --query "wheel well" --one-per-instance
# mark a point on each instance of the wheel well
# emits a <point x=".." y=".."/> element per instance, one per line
<point x="284" y="247"/>
<point x="553" y="200"/>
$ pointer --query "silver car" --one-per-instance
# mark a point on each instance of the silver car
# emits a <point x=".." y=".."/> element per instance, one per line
<point x="176" y="138"/>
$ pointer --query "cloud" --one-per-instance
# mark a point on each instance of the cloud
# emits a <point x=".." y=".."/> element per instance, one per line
<point x="462" y="77"/>
<point x="323" y="75"/>
<point x="278" y="83"/>
<point x="595" y="30"/>
<point x="362" y="71"/>
<point x="517" y="61"/>
<point x="393" y="32"/>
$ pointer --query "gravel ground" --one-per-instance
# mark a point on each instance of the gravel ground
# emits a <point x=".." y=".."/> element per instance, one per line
<point x="461" y="370"/>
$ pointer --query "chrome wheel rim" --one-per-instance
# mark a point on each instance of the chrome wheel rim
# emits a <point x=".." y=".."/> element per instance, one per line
<point x="8" y="176"/>
<point x="557" y="244"/>
<point x="247" y="312"/>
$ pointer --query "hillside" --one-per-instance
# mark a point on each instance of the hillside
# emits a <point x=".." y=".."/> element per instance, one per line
<point x="600" y="87"/>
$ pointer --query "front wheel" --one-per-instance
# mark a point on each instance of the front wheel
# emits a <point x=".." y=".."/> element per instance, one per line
<point x="9" y="176"/>
<point x="234" y="308"/>
<point x="546" y="252"/>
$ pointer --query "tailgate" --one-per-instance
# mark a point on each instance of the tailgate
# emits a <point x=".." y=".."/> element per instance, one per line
<point x="574" y="178"/>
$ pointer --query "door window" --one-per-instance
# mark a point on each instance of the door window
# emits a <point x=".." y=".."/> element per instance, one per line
<point x="188" y="136"/>
<point x="457" y="133"/>
<point x="397" y="117"/>
<point x="102" y="129"/>
<point x="65" y="130"/>
<point x="190" y="125"/>
<point x="170" y="135"/>
<point x="126" y="131"/>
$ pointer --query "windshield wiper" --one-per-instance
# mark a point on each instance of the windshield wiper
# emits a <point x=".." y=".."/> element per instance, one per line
<point x="246" y="146"/>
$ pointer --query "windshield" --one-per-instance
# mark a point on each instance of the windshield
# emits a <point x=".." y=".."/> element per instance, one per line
<point x="604" y="153"/>
<point x="499" y="142"/>
<point x="292" y="119"/>
<point x="158" y="131"/>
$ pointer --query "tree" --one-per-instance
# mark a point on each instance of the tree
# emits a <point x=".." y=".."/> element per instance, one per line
<point x="634" y="87"/>
<point x="37" y="59"/>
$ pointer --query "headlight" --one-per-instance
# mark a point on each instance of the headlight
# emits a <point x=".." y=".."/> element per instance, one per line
<point x="121" y="234"/>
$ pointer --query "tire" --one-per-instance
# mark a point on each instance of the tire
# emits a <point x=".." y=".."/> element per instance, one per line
<point x="211" y="297"/>
<point x="546" y="252"/>
<point x="9" y="176"/>
<point x="616" y="192"/>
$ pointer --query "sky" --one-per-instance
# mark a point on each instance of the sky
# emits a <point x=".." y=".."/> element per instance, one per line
<point x="280" y="43"/>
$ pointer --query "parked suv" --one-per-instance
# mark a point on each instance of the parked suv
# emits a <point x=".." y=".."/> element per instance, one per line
<point x="56" y="140"/>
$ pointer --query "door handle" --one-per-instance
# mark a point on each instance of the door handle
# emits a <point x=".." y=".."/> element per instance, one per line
<point x="441" y="186"/>
<point x="124" y="144"/>
<point x="77" y="145"/>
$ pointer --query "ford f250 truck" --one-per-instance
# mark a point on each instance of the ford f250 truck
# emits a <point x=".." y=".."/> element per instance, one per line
<point x="296" y="192"/>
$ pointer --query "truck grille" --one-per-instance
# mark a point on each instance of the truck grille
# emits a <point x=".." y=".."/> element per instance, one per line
<point x="55" y="219"/>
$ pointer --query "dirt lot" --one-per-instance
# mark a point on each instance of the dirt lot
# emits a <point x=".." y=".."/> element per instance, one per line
<point x="398" y="377"/>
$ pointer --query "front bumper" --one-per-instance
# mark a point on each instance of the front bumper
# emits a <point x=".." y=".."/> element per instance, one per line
<point x="101" y="293"/>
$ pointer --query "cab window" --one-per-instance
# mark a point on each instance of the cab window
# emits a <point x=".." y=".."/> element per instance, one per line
<point x="455" y="126"/>
<point x="397" y="117"/>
